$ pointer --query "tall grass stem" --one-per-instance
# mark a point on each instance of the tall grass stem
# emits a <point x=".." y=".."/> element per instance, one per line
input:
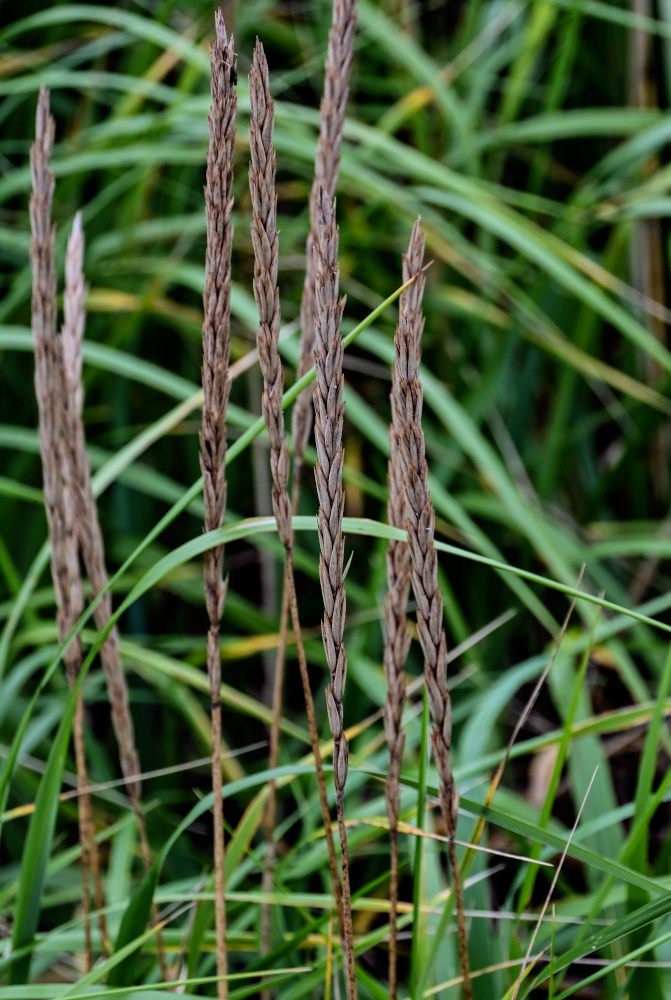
<point x="329" y="416"/>
<point x="216" y="389"/>
<point x="266" y="292"/>
<point x="327" y="163"/>
<point x="420" y="521"/>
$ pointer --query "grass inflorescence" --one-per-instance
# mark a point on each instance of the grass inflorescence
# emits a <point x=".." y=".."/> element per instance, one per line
<point x="482" y="808"/>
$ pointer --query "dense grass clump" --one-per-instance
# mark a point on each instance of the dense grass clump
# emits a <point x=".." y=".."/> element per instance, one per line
<point x="538" y="168"/>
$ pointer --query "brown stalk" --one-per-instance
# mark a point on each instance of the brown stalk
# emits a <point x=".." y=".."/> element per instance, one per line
<point x="71" y="341"/>
<point x="216" y="389"/>
<point x="398" y="636"/>
<point x="266" y="292"/>
<point x="329" y="413"/>
<point x="327" y="162"/>
<point x="93" y="555"/>
<point x="420" y="518"/>
<point x="57" y="493"/>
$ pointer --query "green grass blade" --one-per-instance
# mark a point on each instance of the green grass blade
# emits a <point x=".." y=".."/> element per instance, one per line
<point x="38" y="842"/>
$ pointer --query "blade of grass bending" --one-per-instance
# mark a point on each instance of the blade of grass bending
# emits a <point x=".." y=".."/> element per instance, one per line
<point x="645" y="806"/>
<point x="249" y="527"/>
<point x="147" y="28"/>
<point x="132" y="934"/>
<point x="642" y="917"/>
<point x="38" y="842"/>
<point x="353" y="525"/>
<point x="121" y="958"/>
<point x="39" y="564"/>
<point x="252" y="526"/>
<point x="646" y="772"/>
<point x="480" y="825"/>
<point x="577" y="988"/>
<point x="552" y="840"/>
<point x="562" y="752"/>
<point x="546" y="903"/>
<point x="31" y="579"/>
<point x="111" y="360"/>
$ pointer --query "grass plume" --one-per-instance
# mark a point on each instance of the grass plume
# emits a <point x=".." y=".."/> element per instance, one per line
<point x="216" y="389"/>
<point x="397" y="633"/>
<point x="93" y="555"/>
<point x="329" y="415"/>
<point x="266" y="292"/>
<point x="57" y="487"/>
<point x="409" y="449"/>
<point x="327" y="163"/>
<point x="56" y="358"/>
<point x="71" y="343"/>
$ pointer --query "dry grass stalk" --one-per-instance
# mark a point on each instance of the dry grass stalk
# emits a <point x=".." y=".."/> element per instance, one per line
<point x="327" y="159"/>
<point x="71" y="341"/>
<point x="58" y="492"/>
<point x="398" y="635"/>
<point x="266" y="292"/>
<point x="93" y="554"/>
<point x="265" y="240"/>
<point x="420" y="517"/>
<point x="327" y="162"/>
<point x="216" y="388"/>
<point x="74" y="460"/>
<point x="57" y="495"/>
<point x="329" y="413"/>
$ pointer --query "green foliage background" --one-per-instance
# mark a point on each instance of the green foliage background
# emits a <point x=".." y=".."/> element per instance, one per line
<point x="541" y="174"/>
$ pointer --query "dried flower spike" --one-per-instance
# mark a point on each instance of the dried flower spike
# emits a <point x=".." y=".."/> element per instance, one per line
<point x="395" y="610"/>
<point x="265" y="240"/>
<point x="327" y="163"/>
<point x="216" y="388"/>
<point x="329" y="414"/>
<point x="409" y="442"/>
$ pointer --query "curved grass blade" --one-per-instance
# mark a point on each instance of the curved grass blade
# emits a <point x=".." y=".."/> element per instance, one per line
<point x="38" y="842"/>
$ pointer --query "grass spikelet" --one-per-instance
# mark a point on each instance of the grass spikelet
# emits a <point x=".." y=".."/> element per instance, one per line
<point x="90" y="534"/>
<point x="420" y="521"/>
<point x="92" y="546"/>
<point x="58" y="495"/>
<point x="266" y="291"/>
<point x="216" y="388"/>
<point x="329" y="414"/>
<point x="53" y="397"/>
<point x="327" y="162"/>
<point x="398" y="636"/>
<point x="71" y="341"/>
